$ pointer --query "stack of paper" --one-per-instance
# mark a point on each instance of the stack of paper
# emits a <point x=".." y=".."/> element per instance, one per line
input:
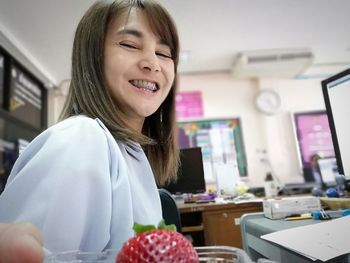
<point x="322" y="241"/>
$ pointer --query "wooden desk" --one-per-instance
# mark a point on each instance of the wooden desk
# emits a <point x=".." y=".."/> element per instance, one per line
<point x="215" y="224"/>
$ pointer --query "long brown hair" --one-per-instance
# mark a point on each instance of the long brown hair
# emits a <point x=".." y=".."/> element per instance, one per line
<point x="88" y="93"/>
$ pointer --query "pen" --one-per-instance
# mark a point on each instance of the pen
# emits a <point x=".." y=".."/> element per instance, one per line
<point x="301" y="217"/>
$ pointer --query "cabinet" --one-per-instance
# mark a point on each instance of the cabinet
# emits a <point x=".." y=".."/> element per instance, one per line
<point x="23" y="111"/>
<point x="215" y="224"/>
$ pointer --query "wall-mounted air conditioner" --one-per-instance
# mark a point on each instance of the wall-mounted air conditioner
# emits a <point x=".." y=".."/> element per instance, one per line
<point x="280" y="63"/>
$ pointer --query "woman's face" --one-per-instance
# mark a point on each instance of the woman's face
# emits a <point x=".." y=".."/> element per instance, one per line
<point x="137" y="66"/>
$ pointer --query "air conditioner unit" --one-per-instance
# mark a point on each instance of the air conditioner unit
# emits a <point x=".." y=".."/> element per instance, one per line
<point x="280" y="63"/>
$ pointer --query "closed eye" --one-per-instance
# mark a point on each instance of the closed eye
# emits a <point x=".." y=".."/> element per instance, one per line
<point x="127" y="45"/>
<point x="163" y="55"/>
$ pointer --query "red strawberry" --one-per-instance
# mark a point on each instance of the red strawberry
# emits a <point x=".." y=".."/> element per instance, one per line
<point x="157" y="245"/>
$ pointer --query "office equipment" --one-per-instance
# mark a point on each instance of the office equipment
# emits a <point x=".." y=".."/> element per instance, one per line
<point x="288" y="206"/>
<point x="190" y="173"/>
<point x="255" y="225"/>
<point x="299" y="217"/>
<point x="325" y="215"/>
<point x="324" y="241"/>
<point x="336" y="92"/>
<point x="328" y="170"/>
<point x="313" y="136"/>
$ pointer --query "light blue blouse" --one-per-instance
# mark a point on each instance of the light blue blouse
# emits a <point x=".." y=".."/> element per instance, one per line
<point x="81" y="188"/>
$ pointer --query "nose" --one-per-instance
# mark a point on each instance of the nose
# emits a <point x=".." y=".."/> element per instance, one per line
<point x="150" y="62"/>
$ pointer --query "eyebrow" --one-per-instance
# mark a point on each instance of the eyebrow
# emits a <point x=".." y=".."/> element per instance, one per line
<point x="133" y="32"/>
<point x="138" y="34"/>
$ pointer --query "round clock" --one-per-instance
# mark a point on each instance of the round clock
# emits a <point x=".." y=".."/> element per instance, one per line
<point x="268" y="101"/>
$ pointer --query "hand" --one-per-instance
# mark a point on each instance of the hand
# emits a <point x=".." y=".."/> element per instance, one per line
<point x="21" y="242"/>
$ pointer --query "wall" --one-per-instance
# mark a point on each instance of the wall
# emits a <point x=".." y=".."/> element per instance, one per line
<point x="56" y="102"/>
<point x="224" y="96"/>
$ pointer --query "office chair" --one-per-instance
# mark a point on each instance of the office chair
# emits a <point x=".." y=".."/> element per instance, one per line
<point x="171" y="214"/>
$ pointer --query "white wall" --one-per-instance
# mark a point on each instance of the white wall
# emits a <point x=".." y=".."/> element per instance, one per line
<point x="56" y="102"/>
<point x="224" y="96"/>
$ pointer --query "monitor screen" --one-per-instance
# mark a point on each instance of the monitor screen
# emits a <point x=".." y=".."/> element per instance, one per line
<point x="190" y="173"/>
<point x="328" y="170"/>
<point x="336" y="92"/>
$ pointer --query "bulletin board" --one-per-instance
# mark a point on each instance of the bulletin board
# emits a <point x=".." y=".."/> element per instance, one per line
<point x="2" y="77"/>
<point x="189" y="105"/>
<point x="221" y="141"/>
<point x="313" y="135"/>
<point x="25" y="96"/>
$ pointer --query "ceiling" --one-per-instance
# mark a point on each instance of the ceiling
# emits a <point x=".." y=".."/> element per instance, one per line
<point x="212" y="33"/>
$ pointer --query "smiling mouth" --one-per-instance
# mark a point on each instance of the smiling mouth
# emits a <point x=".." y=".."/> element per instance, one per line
<point x="145" y="85"/>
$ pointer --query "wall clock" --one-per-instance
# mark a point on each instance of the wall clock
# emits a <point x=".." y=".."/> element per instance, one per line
<point x="268" y="101"/>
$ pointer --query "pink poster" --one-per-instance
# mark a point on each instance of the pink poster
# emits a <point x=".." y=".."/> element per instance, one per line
<point x="314" y="135"/>
<point x="189" y="104"/>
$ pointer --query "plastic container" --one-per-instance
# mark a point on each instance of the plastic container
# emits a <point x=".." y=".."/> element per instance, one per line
<point x="208" y="254"/>
<point x="224" y="254"/>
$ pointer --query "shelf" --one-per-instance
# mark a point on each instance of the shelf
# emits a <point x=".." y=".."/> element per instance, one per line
<point x="8" y="117"/>
<point x="187" y="229"/>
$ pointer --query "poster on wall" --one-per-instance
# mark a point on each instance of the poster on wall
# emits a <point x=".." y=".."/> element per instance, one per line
<point x="222" y="146"/>
<point x="313" y="135"/>
<point x="2" y="73"/>
<point x="189" y="104"/>
<point x="25" y="97"/>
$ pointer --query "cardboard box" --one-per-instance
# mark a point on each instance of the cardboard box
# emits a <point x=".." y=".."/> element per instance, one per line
<point x="284" y="207"/>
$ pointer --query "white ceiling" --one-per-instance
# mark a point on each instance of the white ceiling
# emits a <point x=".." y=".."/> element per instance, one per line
<point x="213" y="31"/>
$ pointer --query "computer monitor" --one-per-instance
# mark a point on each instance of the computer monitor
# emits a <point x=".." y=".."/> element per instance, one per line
<point x="328" y="170"/>
<point x="336" y="92"/>
<point x="190" y="173"/>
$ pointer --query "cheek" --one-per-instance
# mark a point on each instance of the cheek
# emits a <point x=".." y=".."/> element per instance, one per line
<point x="110" y="76"/>
<point x="107" y="69"/>
<point x="112" y="70"/>
<point x="170" y="75"/>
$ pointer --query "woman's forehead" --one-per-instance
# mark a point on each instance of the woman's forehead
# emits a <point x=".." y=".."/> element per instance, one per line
<point x="133" y="18"/>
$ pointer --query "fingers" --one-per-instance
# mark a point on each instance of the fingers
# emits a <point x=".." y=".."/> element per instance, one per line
<point x="20" y="243"/>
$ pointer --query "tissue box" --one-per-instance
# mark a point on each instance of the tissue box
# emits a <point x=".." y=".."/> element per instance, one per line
<point x="283" y="207"/>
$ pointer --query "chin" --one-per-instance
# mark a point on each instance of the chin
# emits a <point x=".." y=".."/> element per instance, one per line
<point x="147" y="111"/>
<point x="147" y="114"/>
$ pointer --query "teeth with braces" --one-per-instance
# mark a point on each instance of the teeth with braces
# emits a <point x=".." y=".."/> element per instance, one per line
<point x="144" y="84"/>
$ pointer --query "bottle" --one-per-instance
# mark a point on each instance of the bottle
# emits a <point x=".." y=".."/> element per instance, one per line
<point x="270" y="186"/>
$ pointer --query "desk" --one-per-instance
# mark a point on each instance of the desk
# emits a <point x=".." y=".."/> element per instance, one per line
<point x="255" y="225"/>
<point x="213" y="224"/>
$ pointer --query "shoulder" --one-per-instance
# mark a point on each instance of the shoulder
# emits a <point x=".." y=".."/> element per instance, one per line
<point x="75" y="133"/>
<point x="75" y="128"/>
<point x="76" y="123"/>
<point x="77" y="140"/>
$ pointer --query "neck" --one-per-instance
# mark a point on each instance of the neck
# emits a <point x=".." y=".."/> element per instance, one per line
<point x="136" y="124"/>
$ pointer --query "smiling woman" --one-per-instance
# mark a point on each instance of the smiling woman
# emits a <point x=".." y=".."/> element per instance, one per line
<point x="98" y="168"/>
<point x="138" y="67"/>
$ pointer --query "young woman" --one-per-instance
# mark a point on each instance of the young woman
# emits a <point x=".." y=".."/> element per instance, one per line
<point x="84" y="181"/>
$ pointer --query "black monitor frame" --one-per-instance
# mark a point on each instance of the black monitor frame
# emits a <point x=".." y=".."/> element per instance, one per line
<point x="191" y="163"/>
<point x="324" y="84"/>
